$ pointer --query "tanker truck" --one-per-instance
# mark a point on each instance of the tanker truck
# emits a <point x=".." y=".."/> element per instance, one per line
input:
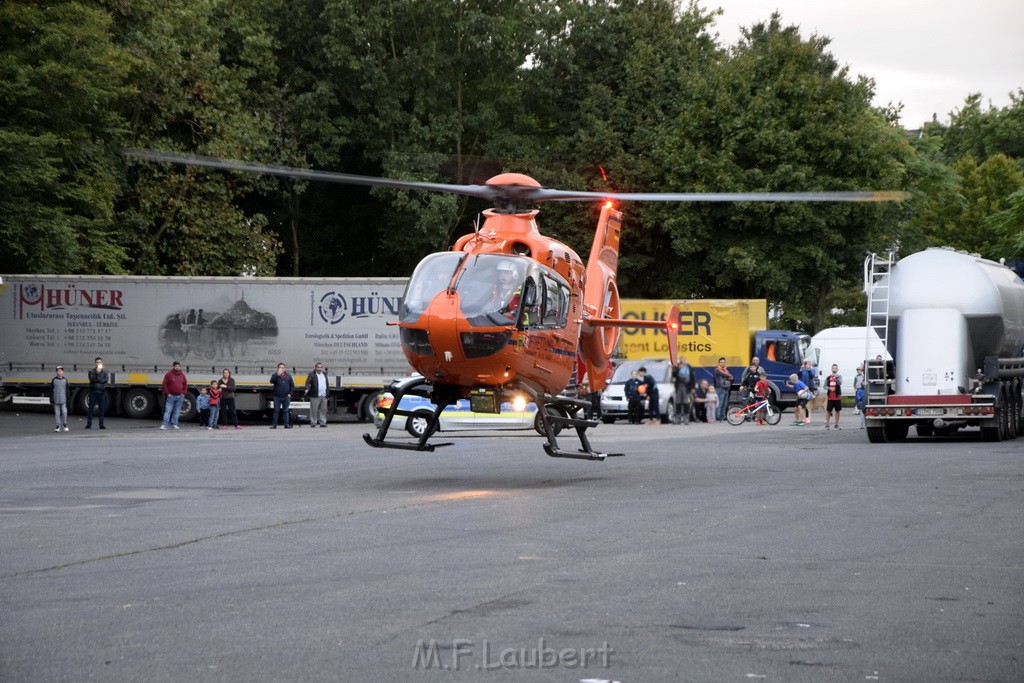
<point x="140" y="325"/>
<point x="954" y="325"/>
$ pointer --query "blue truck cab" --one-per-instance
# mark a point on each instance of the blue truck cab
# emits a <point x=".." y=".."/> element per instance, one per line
<point x="781" y="354"/>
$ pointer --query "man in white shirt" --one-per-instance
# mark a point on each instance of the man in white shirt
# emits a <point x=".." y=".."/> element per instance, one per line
<point x="316" y="390"/>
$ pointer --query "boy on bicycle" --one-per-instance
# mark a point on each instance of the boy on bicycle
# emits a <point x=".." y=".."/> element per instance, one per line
<point x="761" y="392"/>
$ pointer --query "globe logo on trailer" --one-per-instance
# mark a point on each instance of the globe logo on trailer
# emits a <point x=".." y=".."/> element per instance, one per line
<point x="333" y="308"/>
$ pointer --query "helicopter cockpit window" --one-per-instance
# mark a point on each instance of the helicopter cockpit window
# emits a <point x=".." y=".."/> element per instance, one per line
<point x="431" y="276"/>
<point x="556" y="303"/>
<point x="531" y="303"/>
<point x="490" y="289"/>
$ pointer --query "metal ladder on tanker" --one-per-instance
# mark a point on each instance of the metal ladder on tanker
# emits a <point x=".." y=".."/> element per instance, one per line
<point x="876" y="286"/>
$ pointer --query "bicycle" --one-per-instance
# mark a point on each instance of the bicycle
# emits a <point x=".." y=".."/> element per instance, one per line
<point x="737" y="415"/>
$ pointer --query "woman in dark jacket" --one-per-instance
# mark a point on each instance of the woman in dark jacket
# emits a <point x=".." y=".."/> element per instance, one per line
<point x="226" y="384"/>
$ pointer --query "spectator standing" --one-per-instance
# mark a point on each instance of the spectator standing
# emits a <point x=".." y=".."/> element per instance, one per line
<point x="711" y="404"/>
<point x="316" y="389"/>
<point x="203" y="406"/>
<point x="59" y="393"/>
<point x="723" y="386"/>
<point x="283" y="385"/>
<point x="833" y="395"/>
<point x="214" y="405"/>
<point x="803" y="394"/>
<point x="683" y="385"/>
<point x="858" y="389"/>
<point x="809" y="376"/>
<point x="653" y="399"/>
<point x="226" y="384"/>
<point x="750" y="375"/>
<point x="98" y="381"/>
<point x="635" y="397"/>
<point x="175" y="385"/>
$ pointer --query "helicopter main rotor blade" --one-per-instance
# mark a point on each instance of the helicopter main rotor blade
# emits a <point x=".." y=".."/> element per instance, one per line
<point x="518" y="197"/>
<point x="544" y="194"/>
<point x="481" y="191"/>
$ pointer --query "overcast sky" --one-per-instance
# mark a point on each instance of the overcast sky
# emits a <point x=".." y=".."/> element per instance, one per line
<point x="929" y="55"/>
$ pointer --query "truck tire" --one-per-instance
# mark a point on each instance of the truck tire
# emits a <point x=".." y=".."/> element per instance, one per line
<point x="139" y="403"/>
<point x="366" y="410"/>
<point x="1012" y="410"/>
<point x="876" y="434"/>
<point x="80" y="402"/>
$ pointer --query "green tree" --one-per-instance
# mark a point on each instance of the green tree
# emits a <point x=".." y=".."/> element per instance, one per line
<point x="609" y="84"/>
<point x="961" y="216"/>
<point x="62" y="81"/>
<point x="433" y="89"/>
<point x="203" y="68"/>
<point x="781" y="115"/>
<point x="983" y="133"/>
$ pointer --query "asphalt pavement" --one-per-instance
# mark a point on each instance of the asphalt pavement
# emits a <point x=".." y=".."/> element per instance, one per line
<point x="708" y="553"/>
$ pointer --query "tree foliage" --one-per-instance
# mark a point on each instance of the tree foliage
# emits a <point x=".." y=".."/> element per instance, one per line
<point x="62" y="80"/>
<point x="629" y="95"/>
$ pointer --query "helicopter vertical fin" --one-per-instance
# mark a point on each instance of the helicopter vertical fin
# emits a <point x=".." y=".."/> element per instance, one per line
<point x="672" y="330"/>
<point x="601" y="297"/>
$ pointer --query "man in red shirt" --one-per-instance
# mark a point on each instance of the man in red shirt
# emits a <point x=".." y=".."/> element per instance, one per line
<point x="833" y="395"/>
<point x="175" y="387"/>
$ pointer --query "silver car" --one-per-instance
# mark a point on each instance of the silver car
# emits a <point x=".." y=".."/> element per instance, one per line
<point x="613" y="401"/>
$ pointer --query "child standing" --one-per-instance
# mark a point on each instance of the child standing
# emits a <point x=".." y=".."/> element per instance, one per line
<point x="214" y="405"/>
<point x="203" y="406"/>
<point x="711" y="405"/>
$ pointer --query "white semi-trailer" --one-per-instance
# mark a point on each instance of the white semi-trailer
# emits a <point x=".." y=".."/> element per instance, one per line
<point x="140" y="325"/>
<point x="954" y="325"/>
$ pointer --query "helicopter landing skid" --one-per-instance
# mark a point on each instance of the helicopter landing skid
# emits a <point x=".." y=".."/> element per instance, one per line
<point x="562" y="411"/>
<point x="394" y="411"/>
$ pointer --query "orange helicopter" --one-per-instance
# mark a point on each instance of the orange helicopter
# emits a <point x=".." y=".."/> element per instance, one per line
<point x="508" y="310"/>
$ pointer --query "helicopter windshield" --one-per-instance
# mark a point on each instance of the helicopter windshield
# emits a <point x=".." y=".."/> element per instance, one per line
<point x="431" y="276"/>
<point x="491" y="289"/>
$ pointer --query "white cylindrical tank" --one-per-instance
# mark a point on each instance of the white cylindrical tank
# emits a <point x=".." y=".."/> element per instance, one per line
<point x="990" y="297"/>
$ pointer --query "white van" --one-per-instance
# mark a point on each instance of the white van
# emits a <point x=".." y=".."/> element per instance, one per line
<point x="846" y="347"/>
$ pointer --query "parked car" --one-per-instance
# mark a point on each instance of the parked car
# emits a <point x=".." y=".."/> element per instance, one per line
<point x="516" y="414"/>
<point x="613" y="401"/>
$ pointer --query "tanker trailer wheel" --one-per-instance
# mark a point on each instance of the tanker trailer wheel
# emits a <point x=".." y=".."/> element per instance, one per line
<point x="876" y="434"/>
<point x="896" y="430"/>
<point x="993" y="430"/>
<point x="139" y="403"/>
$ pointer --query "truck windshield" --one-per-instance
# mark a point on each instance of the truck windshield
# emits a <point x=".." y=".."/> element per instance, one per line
<point x="431" y="276"/>
<point x="490" y="289"/>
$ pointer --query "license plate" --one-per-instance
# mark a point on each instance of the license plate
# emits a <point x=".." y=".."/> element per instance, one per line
<point x="931" y="411"/>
